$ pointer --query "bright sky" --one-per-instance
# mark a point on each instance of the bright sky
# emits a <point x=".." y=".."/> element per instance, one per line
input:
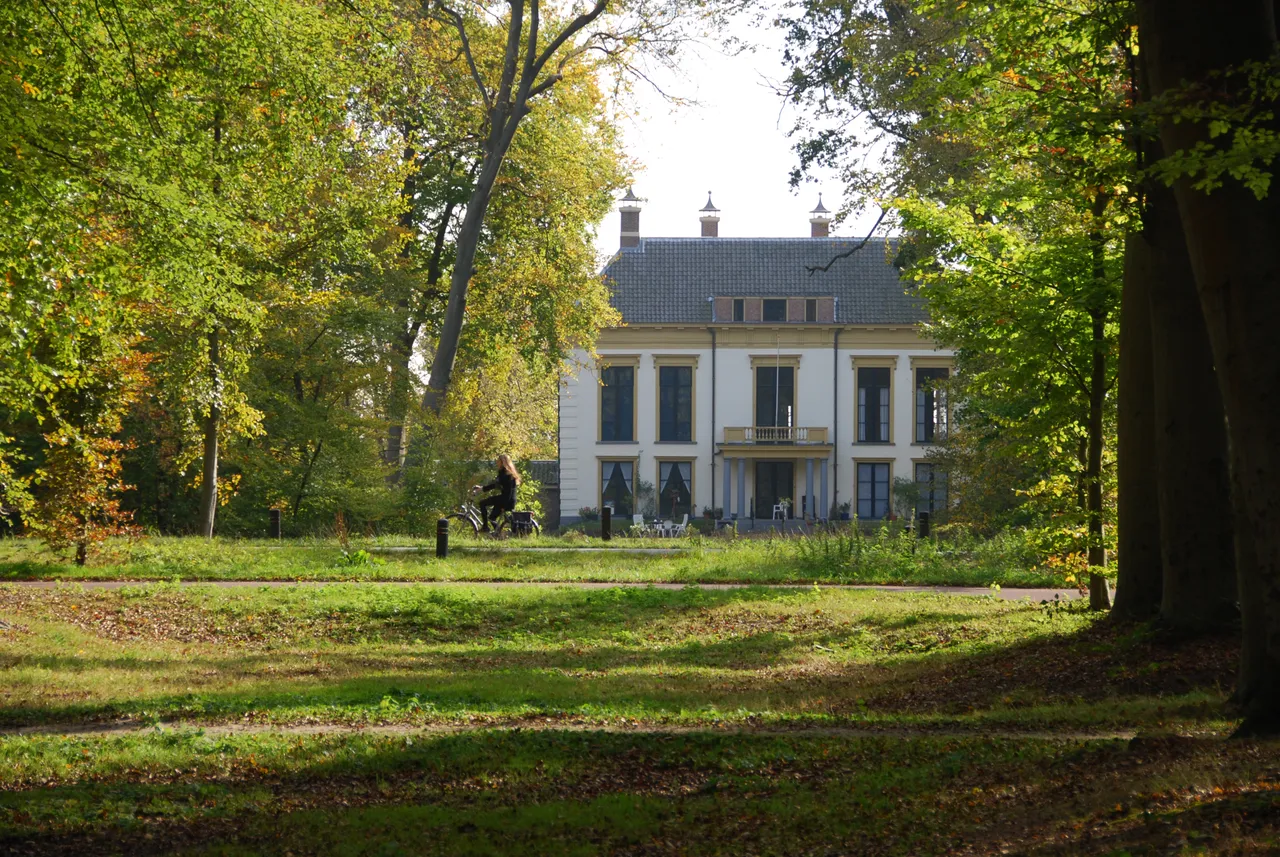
<point x="733" y="142"/>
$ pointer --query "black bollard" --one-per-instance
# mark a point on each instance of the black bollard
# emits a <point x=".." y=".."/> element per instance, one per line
<point x="442" y="538"/>
<point x="922" y="530"/>
<point x="273" y="529"/>
<point x="606" y="519"/>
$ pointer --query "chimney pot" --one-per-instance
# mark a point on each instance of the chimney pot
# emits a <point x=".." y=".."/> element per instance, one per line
<point x="630" y="210"/>
<point x="820" y="221"/>
<point x="710" y="219"/>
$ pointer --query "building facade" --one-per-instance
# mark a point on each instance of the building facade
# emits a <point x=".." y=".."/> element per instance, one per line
<point x="749" y="382"/>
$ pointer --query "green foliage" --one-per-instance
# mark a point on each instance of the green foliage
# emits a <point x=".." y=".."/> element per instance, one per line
<point x="1009" y="169"/>
<point x="285" y="177"/>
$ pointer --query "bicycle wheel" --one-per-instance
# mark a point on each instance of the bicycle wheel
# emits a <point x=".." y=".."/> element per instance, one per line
<point x="462" y="525"/>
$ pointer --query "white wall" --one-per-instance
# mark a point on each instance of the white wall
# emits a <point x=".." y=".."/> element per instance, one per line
<point x="817" y="399"/>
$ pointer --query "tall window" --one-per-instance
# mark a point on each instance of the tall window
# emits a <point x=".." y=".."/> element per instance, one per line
<point x="675" y="403"/>
<point x="933" y="488"/>
<point x="873" y="490"/>
<point x="615" y="486"/>
<point x="775" y="395"/>
<point x="739" y="309"/>
<point x="775" y="309"/>
<point x="931" y="405"/>
<point x="675" y="495"/>
<point x="618" y="403"/>
<point x="811" y="309"/>
<point x="873" y="404"/>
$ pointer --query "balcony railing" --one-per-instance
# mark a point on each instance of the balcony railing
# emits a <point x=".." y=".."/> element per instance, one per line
<point x="775" y="434"/>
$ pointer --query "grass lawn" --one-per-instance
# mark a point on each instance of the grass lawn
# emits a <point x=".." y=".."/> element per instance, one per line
<point x="347" y="719"/>
<point x="841" y="559"/>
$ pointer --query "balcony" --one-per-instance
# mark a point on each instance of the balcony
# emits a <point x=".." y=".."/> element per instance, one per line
<point x="776" y="435"/>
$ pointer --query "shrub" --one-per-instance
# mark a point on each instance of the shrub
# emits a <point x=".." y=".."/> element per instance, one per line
<point x="80" y="487"/>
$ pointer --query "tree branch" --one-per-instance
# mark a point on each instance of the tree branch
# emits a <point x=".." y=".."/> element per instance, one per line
<point x="813" y="269"/>
<point x="459" y="24"/>
<point x="567" y="33"/>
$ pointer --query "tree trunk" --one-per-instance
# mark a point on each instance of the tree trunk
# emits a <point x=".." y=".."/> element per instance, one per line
<point x="1197" y="547"/>
<point x="398" y="400"/>
<point x="1139" y="575"/>
<point x="1099" y="595"/>
<point x="468" y="242"/>
<point x="209" y="472"/>
<point x="1231" y="239"/>
<point x="306" y="477"/>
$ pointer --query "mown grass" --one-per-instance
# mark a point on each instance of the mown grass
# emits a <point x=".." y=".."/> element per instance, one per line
<point x="596" y="793"/>
<point x="349" y="719"/>
<point x="448" y="654"/>
<point x="882" y="558"/>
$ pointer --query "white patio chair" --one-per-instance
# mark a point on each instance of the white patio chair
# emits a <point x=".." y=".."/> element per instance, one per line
<point x="779" y="511"/>
<point x="665" y="529"/>
<point x="638" y="526"/>
<point x="681" y="528"/>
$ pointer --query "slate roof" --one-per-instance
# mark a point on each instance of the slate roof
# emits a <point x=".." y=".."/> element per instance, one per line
<point x="669" y="280"/>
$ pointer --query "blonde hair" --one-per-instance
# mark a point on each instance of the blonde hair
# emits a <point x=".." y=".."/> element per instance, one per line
<point x="504" y="463"/>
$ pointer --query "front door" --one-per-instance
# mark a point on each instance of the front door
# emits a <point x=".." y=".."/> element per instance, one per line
<point x="775" y="480"/>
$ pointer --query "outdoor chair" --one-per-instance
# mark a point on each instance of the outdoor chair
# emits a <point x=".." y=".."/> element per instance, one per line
<point x="639" y="527"/>
<point x="681" y="528"/>
<point x="779" y="511"/>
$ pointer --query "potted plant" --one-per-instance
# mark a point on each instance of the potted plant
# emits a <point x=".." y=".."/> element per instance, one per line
<point x="845" y="510"/>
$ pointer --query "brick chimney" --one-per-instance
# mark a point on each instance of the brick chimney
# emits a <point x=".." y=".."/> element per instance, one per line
<point x="630" y="209"/>
<point x="820" y="221"/>
<point x="710" y="219"/>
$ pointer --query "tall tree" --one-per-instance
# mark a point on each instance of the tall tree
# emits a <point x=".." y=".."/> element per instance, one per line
<point x="1003" y="123"/>
<point x="1175" y="440"/>
<point x="1140" y="575"/>
<point x="1213" y="66"/>
<point x="539" y="50"/>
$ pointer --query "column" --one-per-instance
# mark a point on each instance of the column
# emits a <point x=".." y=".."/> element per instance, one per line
<point x="728" y="478"/>
<point x="742" y="488"/>
<point x="825" y="506"/>
<point x="808" y="488"/>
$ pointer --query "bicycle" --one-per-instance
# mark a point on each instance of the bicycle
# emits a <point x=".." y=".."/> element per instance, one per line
<point x="468" y="521"/>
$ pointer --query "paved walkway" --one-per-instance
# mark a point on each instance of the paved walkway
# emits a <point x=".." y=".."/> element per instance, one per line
<point x="1010" y="594"/>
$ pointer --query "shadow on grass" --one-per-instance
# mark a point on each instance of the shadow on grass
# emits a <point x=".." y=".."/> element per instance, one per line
<point x="596" y="793"/>
<point x="1102" y="661"/>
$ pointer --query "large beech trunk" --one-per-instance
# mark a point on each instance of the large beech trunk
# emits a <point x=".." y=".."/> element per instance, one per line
<point x="1197" y="547"/>
<point x="1139" y="575"/>
<point x="1232" y="240"/>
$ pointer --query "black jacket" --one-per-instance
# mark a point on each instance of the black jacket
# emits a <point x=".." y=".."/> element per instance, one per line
<point x="506" y="484"/>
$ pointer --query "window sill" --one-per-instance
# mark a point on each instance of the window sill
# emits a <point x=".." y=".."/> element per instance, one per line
<point x="617" y="443"/>
<point x="677" y="442"/>
<point x="873" y="443"/>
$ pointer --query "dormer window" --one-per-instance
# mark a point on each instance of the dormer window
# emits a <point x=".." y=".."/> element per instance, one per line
<point x="780" y="310"/>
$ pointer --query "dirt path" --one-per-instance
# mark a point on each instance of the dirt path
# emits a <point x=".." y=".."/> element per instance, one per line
<point x="540" y="724"/>
<point x="1006" y="594"/>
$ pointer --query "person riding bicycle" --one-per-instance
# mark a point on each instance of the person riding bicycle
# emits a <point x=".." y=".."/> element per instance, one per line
<point x="504" y="501"/>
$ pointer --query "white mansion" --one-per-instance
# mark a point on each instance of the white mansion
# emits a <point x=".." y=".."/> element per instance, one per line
<point x="743" y="379"/>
